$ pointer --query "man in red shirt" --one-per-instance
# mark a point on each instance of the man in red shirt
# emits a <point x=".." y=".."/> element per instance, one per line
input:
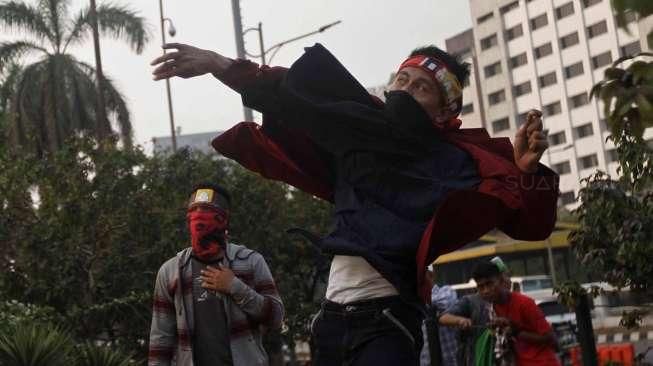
<point x="532" y="336"/>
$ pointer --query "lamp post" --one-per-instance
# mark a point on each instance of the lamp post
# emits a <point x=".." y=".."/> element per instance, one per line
<point x="549" y="245"/>
<point x="276" y="47"/>
<point x="172" y="31"/>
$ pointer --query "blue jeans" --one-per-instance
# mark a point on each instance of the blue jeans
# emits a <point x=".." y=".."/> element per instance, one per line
<point x="384" y="331"/>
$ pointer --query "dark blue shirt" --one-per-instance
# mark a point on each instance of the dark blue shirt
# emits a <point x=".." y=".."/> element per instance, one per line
<point x="383" y="204"/>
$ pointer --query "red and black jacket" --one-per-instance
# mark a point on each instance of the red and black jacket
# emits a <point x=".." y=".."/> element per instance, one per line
<point x="318" y="94"/>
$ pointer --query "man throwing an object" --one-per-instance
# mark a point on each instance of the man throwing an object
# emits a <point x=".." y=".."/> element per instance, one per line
<point x="407" y="183"/>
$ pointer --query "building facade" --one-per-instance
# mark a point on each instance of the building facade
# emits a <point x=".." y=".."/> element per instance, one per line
<point x="546" y="54"/>
<point x="195" y="141"/>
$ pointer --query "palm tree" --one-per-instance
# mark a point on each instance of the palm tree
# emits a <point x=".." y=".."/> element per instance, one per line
<point x="54" y="97"/>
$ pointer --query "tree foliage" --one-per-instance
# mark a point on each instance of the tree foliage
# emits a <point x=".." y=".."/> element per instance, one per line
<point x="643" y="8"/>
<point x="53" y="98"/>
<point x="86" y="232"/>
<point x="35" y="345"/>
<point x="615" y="235"/>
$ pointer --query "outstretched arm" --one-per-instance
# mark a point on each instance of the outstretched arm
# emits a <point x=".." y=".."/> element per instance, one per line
<point x="188" y="61"/>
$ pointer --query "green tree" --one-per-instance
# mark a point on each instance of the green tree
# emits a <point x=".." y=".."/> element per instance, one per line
<point x="54" y="97"/>
<point x="615" y="234"/>
<point x="87" y="230"/>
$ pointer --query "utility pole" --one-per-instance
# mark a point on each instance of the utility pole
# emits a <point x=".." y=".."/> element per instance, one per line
<point x="104" y="128"/>
<point x="168" y="92"/>
<point x="260" y="43"/>
<point x="276" y="47"/>
<point x="240" y="45"/>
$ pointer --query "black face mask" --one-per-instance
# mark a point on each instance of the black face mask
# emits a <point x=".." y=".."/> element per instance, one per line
<point x="406" y="113"/>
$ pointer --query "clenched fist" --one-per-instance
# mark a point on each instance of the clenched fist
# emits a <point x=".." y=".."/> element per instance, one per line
<point x="530" y="142"/>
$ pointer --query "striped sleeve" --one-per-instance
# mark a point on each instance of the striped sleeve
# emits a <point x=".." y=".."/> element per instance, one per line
<point x="262" y="301"/>
<point x="163" y="330"/>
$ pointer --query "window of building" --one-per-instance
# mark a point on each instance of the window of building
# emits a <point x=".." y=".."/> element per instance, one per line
<point x="506" y="8"/>
<point x="467" y="108"/>
<point x="562" y="168"/>
<point x="484" y="18"/>
<point x="569" y="40"/>
<point x="565" y="10"/>
<point x="497" y="97"/>
<point x="567" y="198"/>
<point x="584" y="130"/>
<point x="574" y="70"/>
<point x="543" y="50"/>
<point x="518" y="60"/>
<point x="521" y="89"/>
<point x="579" y="100"/>
<point x="602" y="59"/>
<point x="493" y="69"/>
<point x="597" y="29"/>
<point x="588" y="161"/>
<point x="500" y="125"/>
<point x="514" y="32"/>
<point x="588" y="3"/>
<point x="548" y="79"/>
<point x="539" y="21"/>
<point x="489" y="41"/>
<point x="631" y="49"/>
<point x="552" y="109"/>
<point x="612" y="155"/>
<point x="557" y="138"/>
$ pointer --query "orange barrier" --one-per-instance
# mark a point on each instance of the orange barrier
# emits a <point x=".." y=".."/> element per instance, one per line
<point x="622" y="354"/>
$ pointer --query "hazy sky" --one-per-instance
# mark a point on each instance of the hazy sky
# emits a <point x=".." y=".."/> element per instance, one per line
<point x="373" y="38"/>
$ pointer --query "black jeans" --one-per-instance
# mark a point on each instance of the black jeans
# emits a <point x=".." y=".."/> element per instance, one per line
<point x="384" y="331"/>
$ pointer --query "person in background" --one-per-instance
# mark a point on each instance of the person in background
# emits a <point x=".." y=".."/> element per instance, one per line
<point x="511" y="313"/>
<point x="470" y="315"/>
<point x="213" y="300"/>
<point x="442" y="298"/>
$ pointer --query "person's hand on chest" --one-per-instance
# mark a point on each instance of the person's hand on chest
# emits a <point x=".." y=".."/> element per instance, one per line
<point x="217" y="279"/>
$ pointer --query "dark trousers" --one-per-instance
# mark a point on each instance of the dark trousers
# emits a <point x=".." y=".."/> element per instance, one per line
<point x="384" y="331"/>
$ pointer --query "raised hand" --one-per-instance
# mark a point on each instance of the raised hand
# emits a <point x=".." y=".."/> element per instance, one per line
<point x="530" y="142"/>
<point x="188" y="61"/>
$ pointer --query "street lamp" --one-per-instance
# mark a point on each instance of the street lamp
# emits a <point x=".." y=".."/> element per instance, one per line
<point x="278" y="46"/>
<point x="549" y="245"/>
<point x="172" y="31"/>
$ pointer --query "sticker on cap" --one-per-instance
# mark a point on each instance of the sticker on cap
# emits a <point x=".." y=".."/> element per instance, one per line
<point x="203" y="196"/>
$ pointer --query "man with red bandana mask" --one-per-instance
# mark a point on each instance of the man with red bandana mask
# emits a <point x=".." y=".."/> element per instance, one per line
<point x="408" y="184"/>
<point x="212" y="301"/>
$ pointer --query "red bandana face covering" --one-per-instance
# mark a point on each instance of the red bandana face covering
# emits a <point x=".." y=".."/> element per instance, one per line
<point x="207" y="232"/>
